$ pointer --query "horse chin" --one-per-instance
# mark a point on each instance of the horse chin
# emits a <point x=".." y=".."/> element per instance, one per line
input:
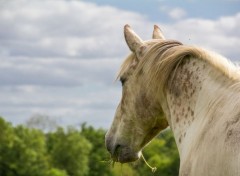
<point x="126" y="155"/>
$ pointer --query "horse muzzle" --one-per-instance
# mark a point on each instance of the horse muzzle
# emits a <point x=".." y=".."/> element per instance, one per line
<point x="121" y="152"/>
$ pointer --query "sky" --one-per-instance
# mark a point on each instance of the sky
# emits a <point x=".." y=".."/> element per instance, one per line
<point x="59" y="58"/>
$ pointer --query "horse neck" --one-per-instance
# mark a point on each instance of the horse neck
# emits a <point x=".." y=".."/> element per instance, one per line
<point x="190" y="89"/>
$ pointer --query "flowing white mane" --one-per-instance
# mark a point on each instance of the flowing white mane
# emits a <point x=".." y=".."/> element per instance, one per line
<point x="163" y="58"/>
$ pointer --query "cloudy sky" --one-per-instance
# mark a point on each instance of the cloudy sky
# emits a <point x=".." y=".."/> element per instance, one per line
<point x="60" y="57"/>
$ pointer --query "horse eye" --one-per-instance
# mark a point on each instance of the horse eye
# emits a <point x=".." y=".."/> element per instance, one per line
<point x="123" y="80"/>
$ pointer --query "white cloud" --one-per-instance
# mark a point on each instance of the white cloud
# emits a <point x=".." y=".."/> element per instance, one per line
<point x="73" y="105"/>
<point x="177" y="13"/>
<point x="59" y="72"/>
<point x="211" y="34"/>
<point x="60" y="57"/>
<point x="63" y="28"/>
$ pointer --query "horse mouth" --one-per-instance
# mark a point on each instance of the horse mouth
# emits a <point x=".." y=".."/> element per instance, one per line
<point x="124" y="154"/>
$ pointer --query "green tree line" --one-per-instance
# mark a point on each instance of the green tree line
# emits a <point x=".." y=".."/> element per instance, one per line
<point x="75" y="151"/>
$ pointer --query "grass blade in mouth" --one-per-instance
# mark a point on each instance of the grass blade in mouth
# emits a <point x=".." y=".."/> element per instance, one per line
<point x="111" y="161"/>
<point x="152" y="168"/>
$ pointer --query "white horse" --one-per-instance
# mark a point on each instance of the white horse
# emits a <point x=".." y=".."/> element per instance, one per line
<point x="194" y="91"/>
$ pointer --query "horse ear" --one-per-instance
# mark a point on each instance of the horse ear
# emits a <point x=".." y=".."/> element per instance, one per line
<point x="133" y="41"/>
<point x="157" y="33"/>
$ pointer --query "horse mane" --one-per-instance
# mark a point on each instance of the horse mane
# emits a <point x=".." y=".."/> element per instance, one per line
<point x="162" y="58"/>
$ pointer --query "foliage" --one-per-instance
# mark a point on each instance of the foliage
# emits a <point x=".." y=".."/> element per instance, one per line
<point x="69" y="151"/>
<point x="161" y="153"/>
<point x="98" y="156"/>
<point x="22" y="151"/>
<point x="76" y="152"/>
<point x="43" y="122"/>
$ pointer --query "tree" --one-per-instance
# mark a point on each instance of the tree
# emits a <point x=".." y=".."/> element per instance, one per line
<point x="42" y="122"/>
<point x="22" y="151"/>
<point x="30" y="151"/>
<point x="69" y="151"/>
<point x="7" y="137"/>
<point x="98" y="155"/>
<point x="56" y="172"/>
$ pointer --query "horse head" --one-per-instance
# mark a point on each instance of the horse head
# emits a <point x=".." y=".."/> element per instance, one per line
<point x="139" y="116"/>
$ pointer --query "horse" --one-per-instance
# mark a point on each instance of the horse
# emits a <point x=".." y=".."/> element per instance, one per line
<point x="193" y="91"/>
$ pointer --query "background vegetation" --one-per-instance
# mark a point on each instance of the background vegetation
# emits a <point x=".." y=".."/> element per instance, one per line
<point x="28" y="151"/>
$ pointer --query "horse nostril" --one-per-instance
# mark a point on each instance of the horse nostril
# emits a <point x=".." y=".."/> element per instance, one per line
<point x="118" y="146"/>
<point x="117" y="149"/>
<point x="113" y="148"/>
<point x="115" y="152"/>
